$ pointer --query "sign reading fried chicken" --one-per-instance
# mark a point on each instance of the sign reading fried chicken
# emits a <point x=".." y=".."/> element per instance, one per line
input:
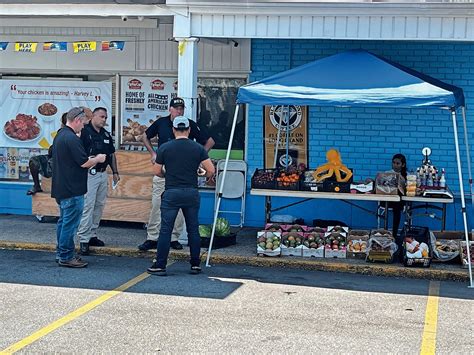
<point x="278" y="120"/>
<point x="31" y="110"/>
<point x="144" y="99"/>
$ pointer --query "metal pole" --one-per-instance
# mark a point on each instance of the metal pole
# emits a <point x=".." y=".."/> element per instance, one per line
<point x="287" y="115"/>
<point x="277" y="143"/>
<point x="221" y="187"/>
<point x="461" y="190"/>
<point x="468" y="157"/>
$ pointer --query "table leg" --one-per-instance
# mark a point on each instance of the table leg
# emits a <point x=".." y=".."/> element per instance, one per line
<point x="443" y="218"/>
<point x="268" y="208"/>
<point x="385" y="222"/>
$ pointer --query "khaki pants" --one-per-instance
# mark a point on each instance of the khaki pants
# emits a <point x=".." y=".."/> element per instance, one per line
<point x="94" y="202"/>
<point x="154" y="223"/>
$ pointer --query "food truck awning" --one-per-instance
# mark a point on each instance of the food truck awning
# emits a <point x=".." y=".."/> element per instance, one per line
<point x="352" y="78"/>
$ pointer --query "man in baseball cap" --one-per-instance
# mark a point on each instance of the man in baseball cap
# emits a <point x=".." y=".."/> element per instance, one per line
<point x="163" y="129"/>
<point x="180" y="122"/>
<point x="177" y="102"/>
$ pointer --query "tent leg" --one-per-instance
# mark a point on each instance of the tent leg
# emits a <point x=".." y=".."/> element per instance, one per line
<point x="461" y="189"/>
<point x="221" y="187"/>
<point x="468" y="156"/>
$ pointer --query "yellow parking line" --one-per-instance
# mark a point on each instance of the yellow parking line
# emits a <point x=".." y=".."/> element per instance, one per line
<point x="428" y="344"/>
<point x="73" y="315"/>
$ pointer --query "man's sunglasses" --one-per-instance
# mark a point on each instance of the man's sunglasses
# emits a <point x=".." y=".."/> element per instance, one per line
<point x="82" y="112"/>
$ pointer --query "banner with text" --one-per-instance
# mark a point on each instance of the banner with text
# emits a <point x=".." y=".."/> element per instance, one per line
<point x="297" y="123"/>
<point x="30" y="110"/>
<point x="143" y="100"/>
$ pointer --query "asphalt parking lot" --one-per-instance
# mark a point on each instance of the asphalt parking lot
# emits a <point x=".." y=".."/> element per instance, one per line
<point x="113" y="306"/>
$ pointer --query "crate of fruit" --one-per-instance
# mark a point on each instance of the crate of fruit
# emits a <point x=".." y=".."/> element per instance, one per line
<point x="264" y="179"/>
<point x="381" y="246"/>
<point x="288" y="180"/>
<point x="335" y="243"/>
<point x="292" y="243"/>
<point x="313" y="244"/>
<point x="357" y="243"/>
<point x="268" y="243"/>
<point x="463" y="253"/>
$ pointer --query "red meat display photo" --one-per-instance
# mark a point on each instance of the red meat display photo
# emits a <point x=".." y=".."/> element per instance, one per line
<point x="22" y="127"/>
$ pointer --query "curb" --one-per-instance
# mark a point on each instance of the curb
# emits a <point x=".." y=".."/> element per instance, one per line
<point x="386" y="270"/>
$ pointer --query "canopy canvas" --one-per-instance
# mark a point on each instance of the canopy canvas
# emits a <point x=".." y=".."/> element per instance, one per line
<point x="356" y="78"/>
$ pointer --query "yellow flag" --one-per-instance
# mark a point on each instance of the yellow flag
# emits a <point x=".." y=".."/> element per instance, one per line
<point x="84" y="46"/>
<point x="26" y="47"/>
<point x="182" y="47"/>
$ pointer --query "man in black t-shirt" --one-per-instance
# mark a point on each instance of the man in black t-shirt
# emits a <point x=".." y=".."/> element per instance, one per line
<point x="163" y="128"/>
<point x="70" y="164"/>
<point x="182" y="158"/>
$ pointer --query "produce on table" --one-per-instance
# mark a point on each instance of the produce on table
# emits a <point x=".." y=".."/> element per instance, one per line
<point x="263" y="177"/>
<point x="288" y="178"/>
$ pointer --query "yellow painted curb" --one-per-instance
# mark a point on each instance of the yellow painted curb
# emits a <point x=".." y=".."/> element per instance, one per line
<point x="388" y="270"/>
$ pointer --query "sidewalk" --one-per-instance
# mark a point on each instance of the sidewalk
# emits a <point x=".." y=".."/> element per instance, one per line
<point x="122" y="239"/>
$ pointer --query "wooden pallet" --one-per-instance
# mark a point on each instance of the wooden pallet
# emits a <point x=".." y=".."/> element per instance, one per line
<point x="130" y="201"/>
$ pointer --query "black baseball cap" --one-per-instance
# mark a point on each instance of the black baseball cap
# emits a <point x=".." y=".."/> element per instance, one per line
<point x="177" y="102"/>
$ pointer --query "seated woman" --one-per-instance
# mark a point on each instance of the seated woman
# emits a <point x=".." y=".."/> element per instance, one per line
<point x="399" y="165"/>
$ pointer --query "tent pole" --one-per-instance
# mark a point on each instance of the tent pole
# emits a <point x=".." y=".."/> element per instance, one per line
<point x="287" y="114"/>
<point x="221" y="187"/>
<point x="461" y="189"/>
<point x="277" y="143"/>
<point x="468" y="156"/>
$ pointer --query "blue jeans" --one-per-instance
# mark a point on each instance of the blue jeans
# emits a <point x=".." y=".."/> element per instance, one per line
<point x="172" y="200"/>
<point x="70" y="213"/>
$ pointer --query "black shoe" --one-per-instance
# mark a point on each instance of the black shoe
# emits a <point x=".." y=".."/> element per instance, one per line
<point x="149" y="244"/>
<point x="155" y="270"/>
<point x="176" y="245"/>
<point x="84" y="249"/>
<point x="74" y="263"/>
<point x="96" y="242"/>
<point x="195" y="270"/>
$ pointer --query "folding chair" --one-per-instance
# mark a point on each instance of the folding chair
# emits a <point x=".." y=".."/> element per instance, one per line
<point x="234" y="186"/>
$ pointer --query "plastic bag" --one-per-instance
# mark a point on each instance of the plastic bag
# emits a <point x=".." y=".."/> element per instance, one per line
<point x="444" y="249"/>
<point x="382" y="244"/>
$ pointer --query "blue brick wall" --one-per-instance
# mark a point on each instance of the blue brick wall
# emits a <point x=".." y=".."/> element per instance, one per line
<point x="368" y="137"/>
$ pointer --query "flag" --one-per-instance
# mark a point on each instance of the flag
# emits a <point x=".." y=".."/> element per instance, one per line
<point x="55" y="46"/>
<point x="113" y="45"/>
<point x="29" y="47"/>
<point x="84" y="46"/>
<point x="3" y="46"/>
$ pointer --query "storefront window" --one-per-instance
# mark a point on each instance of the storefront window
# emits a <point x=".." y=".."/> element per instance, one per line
<point x="216" y="106"/>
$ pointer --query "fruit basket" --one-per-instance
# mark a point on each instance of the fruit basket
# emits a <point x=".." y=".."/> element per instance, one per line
<point x="292" y="243"/>
<point x="313" y="244"/>
<point x="264" y="179"/>
<point x="268" y="243"/>
<point x="357" y="244"/>
<point x="381" y="246"/>
<point x="288" y="180"/>
<point x="418" y="238"/>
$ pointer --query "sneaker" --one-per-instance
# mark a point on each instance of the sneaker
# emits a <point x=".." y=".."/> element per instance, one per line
<point x="155" y="270"/>
<point x="74" y="263"/>
<point x="176" y="245"/>
<point x="96" y="242"/>
<point x="195" y="270"/>
<point x="84" y="249"/>
<point x="149" y="244"/>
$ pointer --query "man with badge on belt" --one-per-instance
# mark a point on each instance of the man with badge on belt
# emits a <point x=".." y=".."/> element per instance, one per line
<point x="163" y="128"/>
<point x="96" y="140"/>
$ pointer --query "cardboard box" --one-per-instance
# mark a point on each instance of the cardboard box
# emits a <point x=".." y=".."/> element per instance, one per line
<point x="268" y="252"/>
<point x="340" y="254"/>
<point x="289" y="251"/>
<point x="389" y="184"/>
<point x="313" y="252"/>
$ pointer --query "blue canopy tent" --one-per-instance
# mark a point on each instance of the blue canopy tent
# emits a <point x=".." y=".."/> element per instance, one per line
<point x="355" y="78"/>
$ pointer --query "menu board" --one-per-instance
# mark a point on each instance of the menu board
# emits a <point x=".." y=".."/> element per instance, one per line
<point x="31" y="110"/>
<point x="143" y="100"/>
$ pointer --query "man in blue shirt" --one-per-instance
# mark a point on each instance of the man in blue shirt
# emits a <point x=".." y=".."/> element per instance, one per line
<point x="163" y="128"/>
<point x="182" y="158"/>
